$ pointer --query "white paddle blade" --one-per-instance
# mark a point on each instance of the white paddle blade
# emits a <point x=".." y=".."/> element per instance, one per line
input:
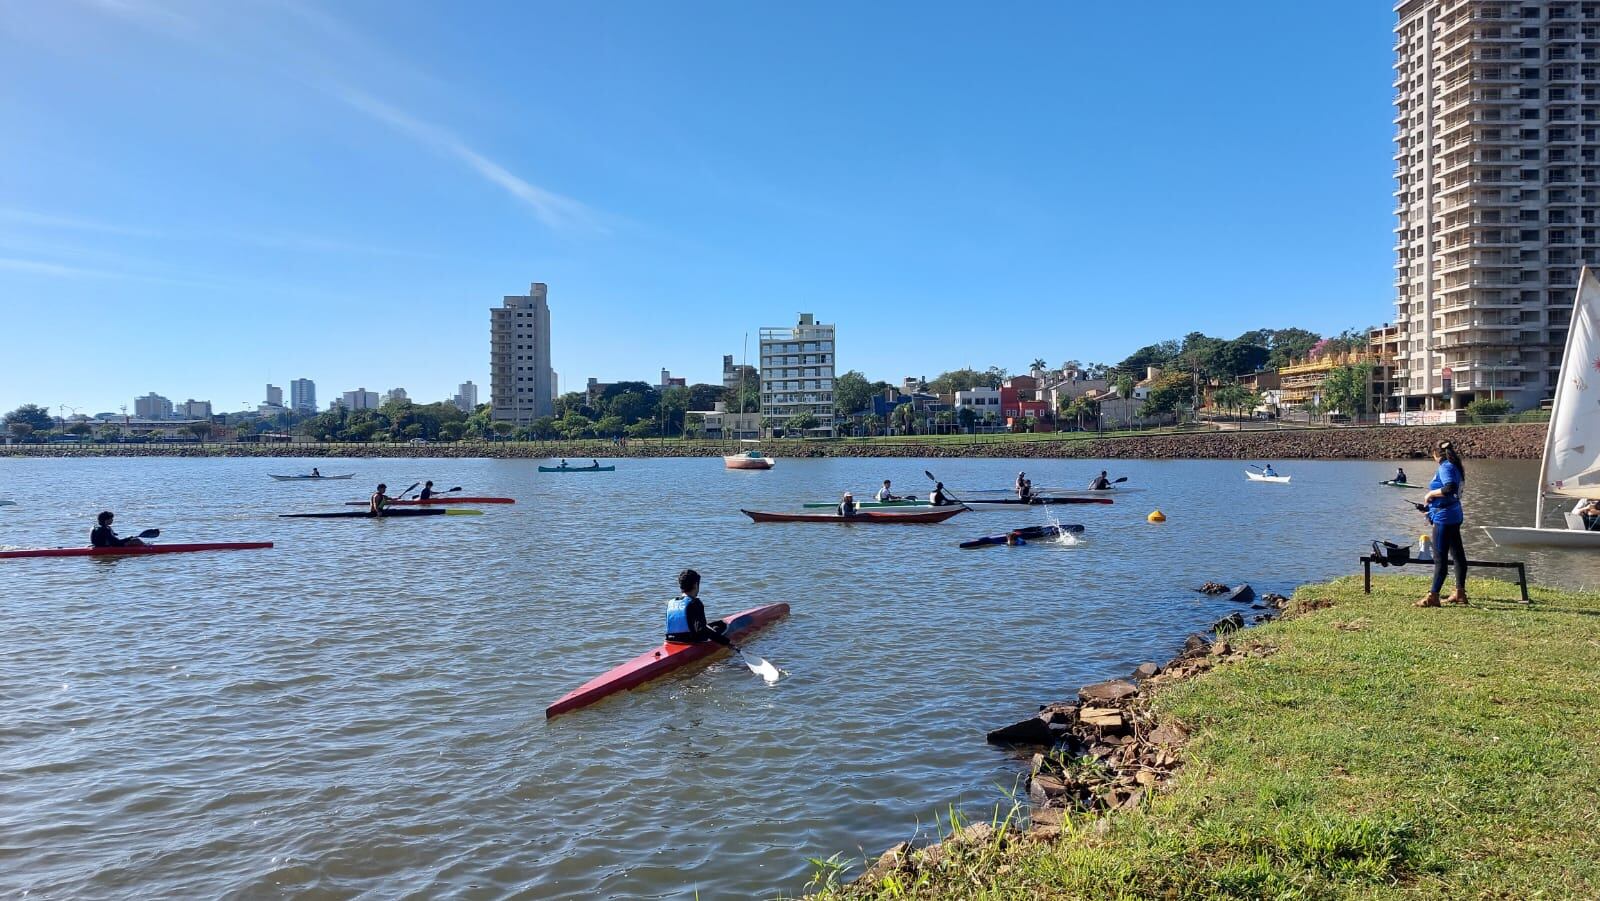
<point x="762" y="668"/>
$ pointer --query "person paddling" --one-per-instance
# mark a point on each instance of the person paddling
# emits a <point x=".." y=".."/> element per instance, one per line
<point x="104" y="536"/>
<point x="427" y="491"/>
<point x="1100" y="483"/>
<point x="316" y="473"/>
<point x="847" y="505"/>
<point x="1400" y="475"/>
<point x="1269" y="472"/>
<point x="938" y="498"/>
<point x="886" y="493"/>
<point x="686" y="615"/>
<point x="1024" y="486"/>
<point x="379" y="501"/>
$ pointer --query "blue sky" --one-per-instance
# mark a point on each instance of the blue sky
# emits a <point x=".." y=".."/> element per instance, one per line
<point x="199" y="197"/>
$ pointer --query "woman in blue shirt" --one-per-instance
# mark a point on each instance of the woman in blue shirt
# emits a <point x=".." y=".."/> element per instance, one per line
<point x="1442" y="503"/>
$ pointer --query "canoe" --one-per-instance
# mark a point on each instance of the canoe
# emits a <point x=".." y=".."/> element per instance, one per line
<point x="867" y="504"/>
<point x="312" y="478"/>
<point x="577" y="469"/>
<point x="1033" y="501"/>
<point x="1028" y="533"/>
<point x="867" y="516"/>
<point x="388" y="514"/>
<point x="1258" y="477"/>
<point x="137" y="550"/>
<point x="434" y="501"/>
<point x="668" y="658"/>
<point x="1393" y="484"/>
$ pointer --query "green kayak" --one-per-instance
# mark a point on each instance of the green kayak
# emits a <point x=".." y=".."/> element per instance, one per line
<point x="867" y="504"/>
<point x="1393" y="484"/>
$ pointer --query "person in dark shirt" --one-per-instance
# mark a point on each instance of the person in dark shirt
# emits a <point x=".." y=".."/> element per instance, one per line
<point x="847" y="506"/>
<point x="427" y="490"/>
<point x="105" y="536"/>
<point x="1100" y="483"/>
<point x="938" y="498"/>
<point x="686" y="615"/>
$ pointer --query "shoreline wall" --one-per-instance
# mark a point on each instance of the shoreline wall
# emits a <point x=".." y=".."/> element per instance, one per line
<point x="1522" y="441"/>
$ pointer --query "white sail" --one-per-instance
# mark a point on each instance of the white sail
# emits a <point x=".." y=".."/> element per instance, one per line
<point x="1571" y="465"/>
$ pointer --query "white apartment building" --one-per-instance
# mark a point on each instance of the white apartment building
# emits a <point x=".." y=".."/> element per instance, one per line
<point x="396" y="396"/>
<point x="303" y="396"/>
<point x="520" y="377"/>
<point x="797" y="366"/>
<point x="1498" y="116"/>
<point x="466" y="399"/>
<point x="152" y="406"/>
<point x="360" y="399"/>
<point x="193" y="409"/>
<point x="981" y="400"/>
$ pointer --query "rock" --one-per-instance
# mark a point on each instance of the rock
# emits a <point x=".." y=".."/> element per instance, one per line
<point x="1195" y="645"/>
<point x="1059" y="713"/>
<point x="1146" y="777"/>
<point x="1212" y="588"/>
<point x="1038" y="764"/>
<point x="1145" y="671"/>
<point x="1233" y="622"/>
<point x="1044" y="788"/>
<point x="1221" y="649"/>
<point x="1031" y="731"/>
<point x="1106" y="693"/>
<point x="1169" y="735"/>
<point x="1243" y="594"/>
<point x="1102" y="717"/>
<point x="1133" y="800"/>
<point x="888" y="862"/>
<point x="975" y="834"/>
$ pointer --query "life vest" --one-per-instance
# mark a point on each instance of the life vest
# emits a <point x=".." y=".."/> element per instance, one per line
<point x="678" y="615"/>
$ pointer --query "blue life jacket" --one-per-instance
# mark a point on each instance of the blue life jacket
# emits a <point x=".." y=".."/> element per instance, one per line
<point x="678" y="615"/>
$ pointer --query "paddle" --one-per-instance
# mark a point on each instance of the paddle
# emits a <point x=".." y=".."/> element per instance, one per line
<point x="402" y="495"/>
<point x="757" y="665"/>
<point x="946" y="493"/>
<point x="148" y="533"/>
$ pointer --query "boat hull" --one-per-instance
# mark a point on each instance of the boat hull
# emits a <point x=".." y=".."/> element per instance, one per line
<point x="1035" y="501"/>
<point x="1515" y="536"/>
<point x="388" y="514"/>
<point x="666" y="659"/>
<point x="578" y="469"/>
<point x="1028" y="533"/>
<point x="440" y="501"/>
<point x="313" y="478"/>
<point x="137" y="550"/>
<point x="742" y="462"/>
<point x="1393" y="484"/>
<point x="1258" y="477"/>
<point x="871" y="504"/>
<point x="872" y="517"/>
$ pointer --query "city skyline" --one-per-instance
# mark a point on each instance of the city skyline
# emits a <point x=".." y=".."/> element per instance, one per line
<point x="362" y="182"/>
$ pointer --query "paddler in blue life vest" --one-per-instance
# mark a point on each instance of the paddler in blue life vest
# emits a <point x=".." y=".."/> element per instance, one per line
<point x="847" y="505"/>
<point x="686" y="616"/>
<point x="1269" y="472"/>
<point x="104" y="536"/>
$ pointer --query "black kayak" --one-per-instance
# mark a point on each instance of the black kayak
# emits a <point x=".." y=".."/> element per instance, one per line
<point x="1034" y="501"/>
<point x="387" y="514"/>
<point x="1026" y="533"/>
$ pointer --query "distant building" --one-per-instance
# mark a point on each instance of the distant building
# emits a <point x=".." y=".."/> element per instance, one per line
<point x="152" y="406"/>
<point x="667" y="381"/>
<point x="797" y="365"/>
<point x="360" y="399"/>
<point x="396" y="396"/>
<point x="274" y="396"/>
<point x="466" y="399"/>
<point x="193" y="409"/>
<point x="913" y="384"/>
<point x="303" y="396"/>
<point x="733" y="373"/>
<point x="555" y="386"/>
<point x="520" y="376"/>
<point x="979" y="400"/>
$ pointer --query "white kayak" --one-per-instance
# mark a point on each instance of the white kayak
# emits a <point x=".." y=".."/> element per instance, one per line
<point x="1258" y="477"/>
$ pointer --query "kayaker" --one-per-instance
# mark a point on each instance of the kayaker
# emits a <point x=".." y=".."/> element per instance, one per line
<point x="379" y="501"/>
<point x="1024" y="487"/>
<point x="596" y="463"/>
<point x="885" y="494"/>
<point x="1013" y="539"/>
<point x="427" y="491"/>
<point x="1400" y="475"/>
<point x="847" y="505"/>
<point x="1442" y="504"/>
<point x="104" y="536"/>
<point x="1269" y="472"/>
<point x="316" y="473"/>
<point x="686" y="616"/>
<point x="938" y="498"/>
<point x="1100" y="483"/>
<point x="563" y="462"/>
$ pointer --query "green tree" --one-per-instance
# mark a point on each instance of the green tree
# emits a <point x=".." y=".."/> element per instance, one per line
<point x="574" y="425"/>
<point x="799" y="423"/>
<point x="967" y="379"/>
<point x="644" y="428"/>
<point x="968" y="418"/>
<point x="80" y="428"/>
<point x="852" y="393"/>
<point x="1125" y="384"/>
<point x="1347" y="388"/>
<point x="503" y="428"/>
<point x="872" y="424"/>
<point x="705" y="397"/>
<point x="629" y="406"/>
<point x="608" y="426"/>
<point x="1290" y="344"/>
<point x="673" y="403"/>
<point x="945" y="420"/>
<point x="202" y="430"/>
<point x="20" y="430"/>
<point x="1167" y="395"/>
<point x="1483" y="408"/>
<point x="36" y="417"/>
<point x="544" y="428"/>
<point x="904" y="419"/>
<point x="451" y="431"/>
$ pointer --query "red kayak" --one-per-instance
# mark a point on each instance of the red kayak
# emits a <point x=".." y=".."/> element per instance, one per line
<point x="862" y="516"/>
<point x="661" y="661"/>
<point x="137" y="550"/>
<point x="452" y="499"/>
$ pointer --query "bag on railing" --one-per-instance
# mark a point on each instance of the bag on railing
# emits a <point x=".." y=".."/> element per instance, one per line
<point x="1390" y="554"/>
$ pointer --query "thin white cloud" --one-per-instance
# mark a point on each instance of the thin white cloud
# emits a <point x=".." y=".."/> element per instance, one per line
<point x="40" y="267"/>
<point x="553" y="209"/>
<point x="50" y="220"/>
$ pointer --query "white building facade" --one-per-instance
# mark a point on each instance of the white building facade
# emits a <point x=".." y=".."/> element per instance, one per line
<point x="520" y="377"/>
<point x="466" y="399"/>
<point x="797" y="366"/>
<point x="193" y="409"/>
<point x="152" y="406"/>
<point x="360" y="399"/>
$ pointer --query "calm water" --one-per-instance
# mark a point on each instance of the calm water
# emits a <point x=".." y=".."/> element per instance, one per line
<point x="360" y="709"/>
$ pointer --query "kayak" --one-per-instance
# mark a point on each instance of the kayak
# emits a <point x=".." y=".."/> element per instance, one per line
<point x="661" y="661"/>
<point x="1393" y="484"/>
<point x="1034" y="501"/>
<point x="388" y="514"/>
<point x="869" y="516"/>
<point x="577" y="469"/>
<point x="137" y="550"/>
<point x="865" y="504"/>
<point x="433" y="501"/>
<point x="311" y="478"/>
<point x="1258" y="477"/>
<point x="1027" y="534"/>
<point x="8" y="503"/>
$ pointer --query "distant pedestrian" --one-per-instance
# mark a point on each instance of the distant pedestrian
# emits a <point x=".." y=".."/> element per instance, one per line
<point x="1442" y="504"/>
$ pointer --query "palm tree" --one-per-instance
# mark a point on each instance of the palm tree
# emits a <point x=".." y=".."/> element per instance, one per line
<point x="904" y="419"/>
<point x="1038" y="363"/>
<point x="872" y="424"/>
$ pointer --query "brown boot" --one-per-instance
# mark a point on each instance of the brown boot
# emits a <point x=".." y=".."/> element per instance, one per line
<point x="1457" y="597"/>
<point x="1428" y="600"/>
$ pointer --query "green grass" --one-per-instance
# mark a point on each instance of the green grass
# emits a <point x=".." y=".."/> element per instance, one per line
<point x="1383" y="752"/>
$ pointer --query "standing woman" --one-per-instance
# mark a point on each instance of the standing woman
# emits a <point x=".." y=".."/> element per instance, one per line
<point x="1442" y="503"/>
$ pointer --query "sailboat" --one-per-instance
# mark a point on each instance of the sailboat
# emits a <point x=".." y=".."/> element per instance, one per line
<point x="752" y="457"/>
<point x="1571" y="465"/>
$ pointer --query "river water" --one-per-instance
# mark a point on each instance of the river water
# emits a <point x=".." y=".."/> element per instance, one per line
<point x="360" y="709"/>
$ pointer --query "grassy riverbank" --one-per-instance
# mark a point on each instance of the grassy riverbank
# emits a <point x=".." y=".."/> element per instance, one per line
<point x="1382" y="751"/>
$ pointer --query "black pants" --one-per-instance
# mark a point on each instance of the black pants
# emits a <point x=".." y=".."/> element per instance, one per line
<point x="717" y="627"/>
<point x="1447" y="542"/>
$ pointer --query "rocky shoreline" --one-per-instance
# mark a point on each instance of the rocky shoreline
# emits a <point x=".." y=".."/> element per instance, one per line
<point x="1520" y="441"/>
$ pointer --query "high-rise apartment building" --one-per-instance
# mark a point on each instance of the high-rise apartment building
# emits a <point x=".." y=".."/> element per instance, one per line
<point x="303" y="396"/>
<point x="797" y="373"/>
<point x="360" y="399"/>
<point x="519" y="357"/>
<point x="1498" y="108"/>
<point x="152" y="406"/>
<point x="396" y="396"/>
<point x="466" y="399"/>
<point x="274" y="396"/>
<point x="193" y="409"/>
